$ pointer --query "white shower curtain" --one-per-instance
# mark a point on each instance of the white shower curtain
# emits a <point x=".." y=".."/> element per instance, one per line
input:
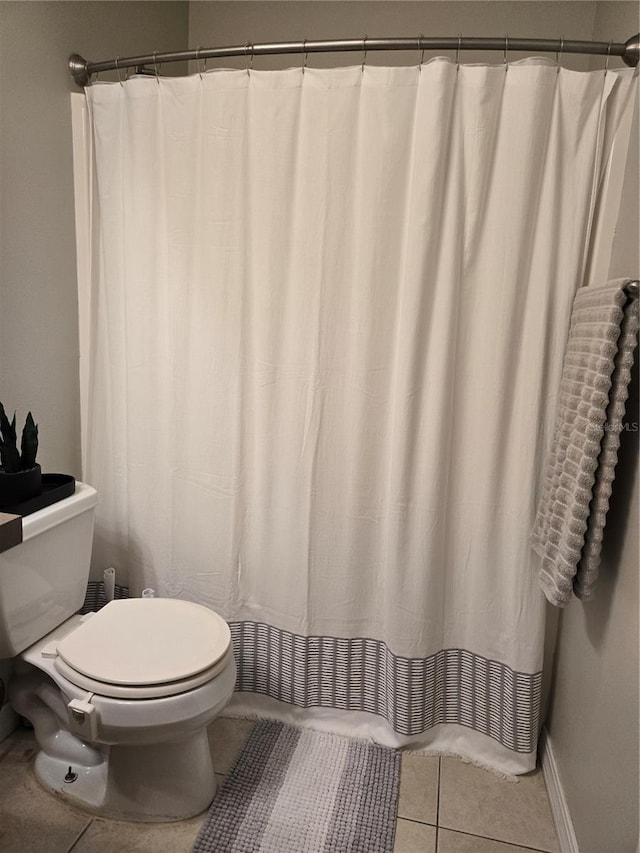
<point x="327" y="319"/>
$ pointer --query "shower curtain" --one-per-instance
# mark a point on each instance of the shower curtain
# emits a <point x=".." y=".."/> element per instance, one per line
<point x="325" y="323"/>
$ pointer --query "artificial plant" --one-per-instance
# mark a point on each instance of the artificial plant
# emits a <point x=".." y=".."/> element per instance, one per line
<point x="11" y="460"/>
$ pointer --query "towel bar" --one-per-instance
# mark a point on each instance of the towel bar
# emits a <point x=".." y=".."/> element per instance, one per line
<point x="632" y="288"/>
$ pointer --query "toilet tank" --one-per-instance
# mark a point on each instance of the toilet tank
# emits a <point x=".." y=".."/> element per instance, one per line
<point x="43" y="581"/>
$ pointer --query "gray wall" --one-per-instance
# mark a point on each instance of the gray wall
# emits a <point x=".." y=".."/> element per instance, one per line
<point x="593" y="718"/>
<point x="38" y="290"/>
<point x="38" y="298"/>
<point x="236" y="23"/>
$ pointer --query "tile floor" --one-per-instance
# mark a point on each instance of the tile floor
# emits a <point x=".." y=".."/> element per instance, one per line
<point x="445" y="806"/>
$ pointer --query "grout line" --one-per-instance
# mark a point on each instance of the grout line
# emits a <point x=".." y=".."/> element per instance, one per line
<point x="420" y="822"/>
<point x="79" y="836"/>
<point x="497" y="840"/>
<point x="438" y="804"/>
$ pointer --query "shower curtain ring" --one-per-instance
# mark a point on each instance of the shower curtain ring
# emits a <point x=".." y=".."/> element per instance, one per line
<point x="248" y="52"/>
<point x="506" y="51"/>
<point x="364" y="47"/>
<point x="155" y="65"/>
<point x="118" y="70"/>
<point x="198" y="49"/>
<point x="421" y="49"/>
<point x="304" y="55"/>
<point x="606" y="65"/>
<point x="559" y="54"/>
<point x="458" y="51"/>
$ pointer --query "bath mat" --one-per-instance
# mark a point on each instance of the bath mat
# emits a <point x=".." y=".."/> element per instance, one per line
<point x="298" y="791"/>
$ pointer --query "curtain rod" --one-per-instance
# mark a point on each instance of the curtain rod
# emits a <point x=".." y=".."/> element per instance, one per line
<point x="628" y="51"/>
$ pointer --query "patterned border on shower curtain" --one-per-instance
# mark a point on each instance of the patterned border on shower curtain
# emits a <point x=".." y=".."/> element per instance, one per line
<point x="412" y="694"/>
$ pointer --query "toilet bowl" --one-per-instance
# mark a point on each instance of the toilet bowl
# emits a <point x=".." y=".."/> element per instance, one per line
<point x="120" y="700"/>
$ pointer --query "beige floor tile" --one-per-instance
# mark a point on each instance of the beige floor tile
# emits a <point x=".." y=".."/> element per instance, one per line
<point x="112" y="836"/>
<point x="456" y="842"/>
<point x="418" y="788"/>
<point x="21" y="740"/>
<point x="226" y="739"/>
<point x="32" y="820"/>
<point x="480" y="803"/>
<point x="414" y="837"/>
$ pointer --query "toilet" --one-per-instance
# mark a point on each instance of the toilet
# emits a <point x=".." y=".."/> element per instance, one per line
<point x="120" y="700"/>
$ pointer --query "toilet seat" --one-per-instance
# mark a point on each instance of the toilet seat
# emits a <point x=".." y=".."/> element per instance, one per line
<point x="145" y="649"/>
<point x="151" y="691"/>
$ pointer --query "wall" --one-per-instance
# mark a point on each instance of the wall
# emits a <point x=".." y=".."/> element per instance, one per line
<point x="223" y="23"/>
<point x="594" y="718"/>
<point x="38" y="301"/>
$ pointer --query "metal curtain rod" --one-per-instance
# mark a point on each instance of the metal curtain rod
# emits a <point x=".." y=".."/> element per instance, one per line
<point x="629" y="51"/>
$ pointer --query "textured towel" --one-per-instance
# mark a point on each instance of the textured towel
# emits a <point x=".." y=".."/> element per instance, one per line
<point x="571" y="515"/>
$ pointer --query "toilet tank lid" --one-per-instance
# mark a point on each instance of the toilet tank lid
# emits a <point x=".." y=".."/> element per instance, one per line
<point x="139" y="641"/>
<point x="84" y="498"/>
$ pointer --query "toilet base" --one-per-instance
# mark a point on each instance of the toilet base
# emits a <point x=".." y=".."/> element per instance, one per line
<point x="87" y="789"/>
<point x="158" y="783"/>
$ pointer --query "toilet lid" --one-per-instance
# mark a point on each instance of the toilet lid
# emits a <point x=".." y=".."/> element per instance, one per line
<point x="137" y="642"/>
<point x="145" y="691"/>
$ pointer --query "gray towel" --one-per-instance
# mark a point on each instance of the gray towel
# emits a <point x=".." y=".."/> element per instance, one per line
<point x="571" y="515"/>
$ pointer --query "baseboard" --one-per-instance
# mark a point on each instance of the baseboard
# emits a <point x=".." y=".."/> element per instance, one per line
<point x="557" y="799"/>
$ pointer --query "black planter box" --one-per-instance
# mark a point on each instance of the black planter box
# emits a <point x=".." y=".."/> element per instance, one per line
<point x="55" y="487"/>
<point x="19" y="486"/>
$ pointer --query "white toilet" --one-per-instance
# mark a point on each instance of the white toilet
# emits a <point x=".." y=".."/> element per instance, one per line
<point x="119" y="699"/>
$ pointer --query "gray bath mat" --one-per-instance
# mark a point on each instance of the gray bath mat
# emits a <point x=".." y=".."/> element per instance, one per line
<point x="298" y="791"/>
